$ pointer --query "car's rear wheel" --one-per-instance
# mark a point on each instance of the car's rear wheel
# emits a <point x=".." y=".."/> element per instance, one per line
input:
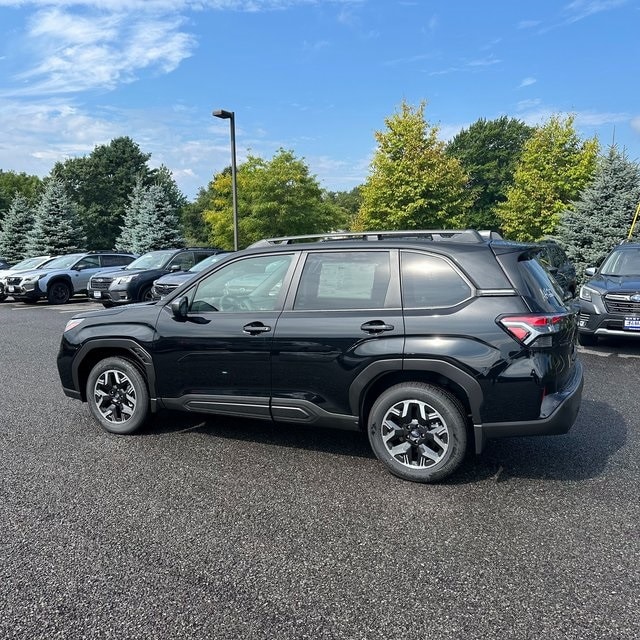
<point x="419" y="431"/>
<point x="58" y="293"/>
<point x="117" y="395"/>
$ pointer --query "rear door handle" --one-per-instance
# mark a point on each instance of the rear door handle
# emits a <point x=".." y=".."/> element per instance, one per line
<point x="255" y="328"/>
<point x="376" y="326"/>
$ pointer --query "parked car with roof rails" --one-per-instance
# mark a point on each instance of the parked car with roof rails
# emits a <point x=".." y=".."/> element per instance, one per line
<point x="610" y="298"/>
<point x="134" y="283"/>
<point x="165" y="285"/>
<point x="429" y="343"/>
<point x="63" y="277"/>
<point x="23" y="265"/>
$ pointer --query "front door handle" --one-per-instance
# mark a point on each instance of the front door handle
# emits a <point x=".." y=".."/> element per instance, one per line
<point x="376" y="326"/>
<point x="255" y="328"/>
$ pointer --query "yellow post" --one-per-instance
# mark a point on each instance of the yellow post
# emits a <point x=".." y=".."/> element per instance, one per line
<point x="633" y="224"/>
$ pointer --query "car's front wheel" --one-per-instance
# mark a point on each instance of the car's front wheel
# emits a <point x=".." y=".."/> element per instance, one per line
<point x="419" y="431"/>
<point x="117" y="395"/>
<point x="58" y="293"/>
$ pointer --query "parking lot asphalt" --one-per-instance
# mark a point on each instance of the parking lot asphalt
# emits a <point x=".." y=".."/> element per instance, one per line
<point x="204" y="527"/>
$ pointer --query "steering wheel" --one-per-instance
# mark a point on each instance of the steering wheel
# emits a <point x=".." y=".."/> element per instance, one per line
<point x="231" y="303"/>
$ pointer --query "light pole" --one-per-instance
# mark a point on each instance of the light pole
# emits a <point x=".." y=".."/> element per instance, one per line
<point x="230" y="115"/>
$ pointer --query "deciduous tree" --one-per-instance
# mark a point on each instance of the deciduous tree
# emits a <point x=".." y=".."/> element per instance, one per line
<point x="554" y="168"/>
<point x="413" y="183"/>
<point x="488" y="151"/>
<point x="275" y="198"/>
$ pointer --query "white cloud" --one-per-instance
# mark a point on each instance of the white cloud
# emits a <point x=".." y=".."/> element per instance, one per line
<point x="527" y="82"/>
<point x="579" y="9"/>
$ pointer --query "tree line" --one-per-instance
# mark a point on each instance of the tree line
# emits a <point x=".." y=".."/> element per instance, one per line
<point x="527" y="182"/>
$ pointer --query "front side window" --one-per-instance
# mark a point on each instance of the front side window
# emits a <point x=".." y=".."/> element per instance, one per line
<point x="344" y="280"/>
<point x="89" y="262"/>
<point x="244" y="285"/>
<point x="430" y="282"/>
<point x="183" y="261"/>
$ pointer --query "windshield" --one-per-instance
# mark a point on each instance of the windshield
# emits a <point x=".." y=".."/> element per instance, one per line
<point x="64" y="262"/>
<point x="625" y="262"/>
<point x="30" y="263"/>
<point x="203" y="264"/>
<point x="151" y="260"/>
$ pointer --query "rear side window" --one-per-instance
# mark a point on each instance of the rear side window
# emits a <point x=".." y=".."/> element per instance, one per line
<point x="542" y="289"/>
<point x="115" y="261"/>
<point x="344" y="280"/>
<point x="430" y="281"/>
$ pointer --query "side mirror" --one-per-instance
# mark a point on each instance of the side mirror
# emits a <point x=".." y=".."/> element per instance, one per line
<point x="174" y="268"/>
<point x="590" y="271"/>
<point x="180" y="308"/>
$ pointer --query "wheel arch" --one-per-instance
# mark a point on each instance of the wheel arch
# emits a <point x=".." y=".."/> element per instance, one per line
<point x="384" y="374"/>
<point x="92" y="352"/>
<point x="59" y="278"/>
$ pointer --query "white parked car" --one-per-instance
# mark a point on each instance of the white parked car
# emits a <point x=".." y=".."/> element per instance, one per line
<point x="23" y="265"/>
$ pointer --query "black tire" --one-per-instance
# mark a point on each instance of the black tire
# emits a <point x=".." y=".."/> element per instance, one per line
<point x="107" y="305"/>
<point x="3" y="297"/>
<point x="441" y="432"/>
<point x="117" y="395"/>
<point x="58" y="293"/>
<point x="145" y="295"/>
<point x="587" y="339"/>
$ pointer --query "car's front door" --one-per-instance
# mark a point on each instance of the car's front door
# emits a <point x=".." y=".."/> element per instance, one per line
<point x="343" y="317"/>
<point x="217" y="358"/>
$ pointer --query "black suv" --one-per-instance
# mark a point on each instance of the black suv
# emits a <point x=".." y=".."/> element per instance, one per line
<point x="429" y="343"/>
<point x="610" y="299"/>
<point x="134" y="283"/>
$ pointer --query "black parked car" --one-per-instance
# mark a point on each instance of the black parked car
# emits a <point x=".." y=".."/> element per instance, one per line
<point x="430" y="345"/>
<point x="134" y="283"/>
<point x="165" y="285"/>
<point x="610" y="299"/>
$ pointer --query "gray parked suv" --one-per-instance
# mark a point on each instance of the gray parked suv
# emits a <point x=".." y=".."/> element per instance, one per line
<point x="63" y="277"/>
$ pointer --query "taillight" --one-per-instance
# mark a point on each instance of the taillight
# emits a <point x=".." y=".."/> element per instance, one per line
<point x="528" y="328"/>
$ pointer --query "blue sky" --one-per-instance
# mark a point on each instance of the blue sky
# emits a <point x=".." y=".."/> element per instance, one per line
<point x="317" y="77"/>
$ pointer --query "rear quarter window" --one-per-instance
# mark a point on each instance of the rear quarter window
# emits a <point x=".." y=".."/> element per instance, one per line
<point x="544" y="292"/>
<point x="430" y="282"/>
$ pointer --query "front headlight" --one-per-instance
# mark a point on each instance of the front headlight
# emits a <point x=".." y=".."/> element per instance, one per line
<point x="31" y="278"/>
<point x="586" y="293"/>
<point x="126" y="279"/>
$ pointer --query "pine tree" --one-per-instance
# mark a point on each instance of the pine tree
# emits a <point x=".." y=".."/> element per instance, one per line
<point x="17" y="224"/>
<point x="603" y="214"/>
<point x="151" y="222"/>
<point x="57" y="228"/>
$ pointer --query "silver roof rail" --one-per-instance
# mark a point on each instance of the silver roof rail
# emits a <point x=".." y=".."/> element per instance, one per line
<point x="435" y="235"/>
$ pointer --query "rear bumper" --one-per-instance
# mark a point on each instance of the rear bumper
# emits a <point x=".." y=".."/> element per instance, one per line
<point x="558" y="413"/>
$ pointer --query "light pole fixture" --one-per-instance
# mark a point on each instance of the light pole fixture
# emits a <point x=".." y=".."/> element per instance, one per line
<point x="230" y="115"/>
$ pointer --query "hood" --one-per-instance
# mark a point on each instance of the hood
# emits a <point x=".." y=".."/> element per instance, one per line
<point x="176" y="278"/>
<point x="615" y="284"/>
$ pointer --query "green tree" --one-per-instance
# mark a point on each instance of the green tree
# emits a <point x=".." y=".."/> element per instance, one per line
<point x="275" y="198"/>
<point x="17" y="224"/>
<point x="151" y="221"/>
<point x="101" y="184"/>
<point x="554" y="168"/>
<point x="57" y="229"/>
<point x="603" y="213"/>
<point x="349" y="201"/>
<point x="12" y="183"/>
<point x="413" y="183"/>
<point x="194" y="228"/>
<point x="488" y="151"/>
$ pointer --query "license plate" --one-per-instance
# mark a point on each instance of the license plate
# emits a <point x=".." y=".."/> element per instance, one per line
<point x="97" y="294"/>
<point x="11" y="288"/>
<point x="632" y="324"/>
